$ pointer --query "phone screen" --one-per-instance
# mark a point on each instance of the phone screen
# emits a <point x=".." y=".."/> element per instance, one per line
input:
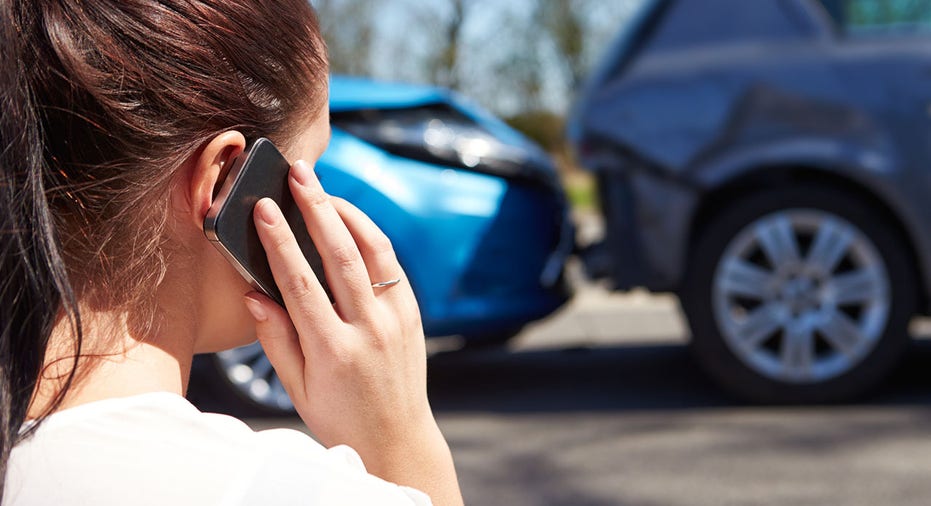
<point x="260" y="171"/>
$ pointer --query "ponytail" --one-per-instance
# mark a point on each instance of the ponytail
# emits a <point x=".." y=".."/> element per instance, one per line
<point x="34" y="286"/>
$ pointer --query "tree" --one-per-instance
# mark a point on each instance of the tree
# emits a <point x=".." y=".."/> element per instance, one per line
<point x="444" y="66"/>
<point x="518" y="56"/>
<point x="348" y="28"/>
<point x="565" y="24"/>
<point x="443" y="22"/>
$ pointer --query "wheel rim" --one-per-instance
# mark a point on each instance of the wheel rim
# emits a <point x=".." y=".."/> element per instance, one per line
<point x="801" y="296"/>
<point x="251" y="374"/>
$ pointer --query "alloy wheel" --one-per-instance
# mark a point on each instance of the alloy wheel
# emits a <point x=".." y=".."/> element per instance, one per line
<point x="251" y="374"/>
<point x="801" y="296"/>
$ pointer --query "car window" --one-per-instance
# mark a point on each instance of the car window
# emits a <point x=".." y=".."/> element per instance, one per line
<point x="877" y="18"/>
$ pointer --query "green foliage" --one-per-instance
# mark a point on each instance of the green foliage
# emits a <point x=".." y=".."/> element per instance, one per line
<point x="582" y="191"/>
<point x="547" y="129"/>
<point x="543" y="127"/>
<point x="564" y="24"/>
<point x="349" y="31"/>
<point x="509" y="56"/>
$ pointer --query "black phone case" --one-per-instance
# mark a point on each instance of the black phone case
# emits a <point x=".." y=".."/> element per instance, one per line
<point x="260" y="171"/>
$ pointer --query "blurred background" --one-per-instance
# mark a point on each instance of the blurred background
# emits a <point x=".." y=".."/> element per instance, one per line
<point x="523" y="60"/>
<point x="666" y="251"/>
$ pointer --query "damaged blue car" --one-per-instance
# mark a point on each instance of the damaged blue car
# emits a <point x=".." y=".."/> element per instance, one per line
<point x="475" y="211"/>
<point x="769" y="161"/>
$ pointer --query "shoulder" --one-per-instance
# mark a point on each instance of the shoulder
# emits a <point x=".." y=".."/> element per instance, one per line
<point x="296" y="469"/>
<point x="132" y="447"/>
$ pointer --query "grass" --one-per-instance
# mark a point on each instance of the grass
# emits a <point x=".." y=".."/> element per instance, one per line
<point x="579" y="183"/>
<point x="581" y="190"/>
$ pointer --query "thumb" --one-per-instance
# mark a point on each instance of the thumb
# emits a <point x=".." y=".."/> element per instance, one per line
<point x="280" y="341"/>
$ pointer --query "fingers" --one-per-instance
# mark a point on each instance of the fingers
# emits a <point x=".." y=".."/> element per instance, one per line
<point x="299" y="286"/>
<point x="279" y="340"/>
<point x="345" y="270"/>
<point x="374" y="245"/>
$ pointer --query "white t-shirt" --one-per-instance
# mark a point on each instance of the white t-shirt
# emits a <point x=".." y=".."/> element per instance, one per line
<point x="158" y="449"/>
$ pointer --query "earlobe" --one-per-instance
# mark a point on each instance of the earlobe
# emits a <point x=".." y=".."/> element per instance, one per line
<point x="209" y="169"/>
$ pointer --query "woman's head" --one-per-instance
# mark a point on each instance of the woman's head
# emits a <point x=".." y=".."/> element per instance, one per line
<point x="106" y="104"/>
<point x="129" y="90"/>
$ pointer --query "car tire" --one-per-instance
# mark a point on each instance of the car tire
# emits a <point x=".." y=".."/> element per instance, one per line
<point x="242" y="383"/>
<point x="824" y="323"/>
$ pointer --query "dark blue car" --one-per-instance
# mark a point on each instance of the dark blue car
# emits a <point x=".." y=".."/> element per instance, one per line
<point x="475" y="212"/>
<point x="768" y="161"/>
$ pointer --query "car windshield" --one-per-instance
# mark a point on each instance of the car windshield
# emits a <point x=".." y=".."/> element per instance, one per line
<point x="889" y="17"/>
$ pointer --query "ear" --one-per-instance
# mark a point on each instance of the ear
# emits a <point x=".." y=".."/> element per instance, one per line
<point x="208" y="171"/>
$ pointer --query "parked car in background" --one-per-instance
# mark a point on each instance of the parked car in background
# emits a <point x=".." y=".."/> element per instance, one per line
<point x="475" y="212"/>
<point x="770" y="162"/>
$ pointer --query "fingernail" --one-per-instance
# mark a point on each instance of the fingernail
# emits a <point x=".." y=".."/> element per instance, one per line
<point x="255" y="307"/>
<point x="265" y="209"/>
<point x="303" y="173"/>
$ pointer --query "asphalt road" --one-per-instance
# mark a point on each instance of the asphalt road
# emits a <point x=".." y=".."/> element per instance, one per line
<point x="601" y="404"/>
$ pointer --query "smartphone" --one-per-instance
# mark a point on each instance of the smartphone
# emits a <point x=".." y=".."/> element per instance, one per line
<point x="258" y="172"/>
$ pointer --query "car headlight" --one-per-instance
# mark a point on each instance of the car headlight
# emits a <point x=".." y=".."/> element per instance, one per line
<point x="440" y="134"/>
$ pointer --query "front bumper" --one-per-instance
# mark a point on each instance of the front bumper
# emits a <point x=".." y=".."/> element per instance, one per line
<point x="515" y="272"/>
<point x="552" y="276"/>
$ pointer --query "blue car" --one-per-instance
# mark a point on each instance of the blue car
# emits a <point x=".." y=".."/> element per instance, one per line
<point x="475" y="212"/>
<point x="768" y="161"/>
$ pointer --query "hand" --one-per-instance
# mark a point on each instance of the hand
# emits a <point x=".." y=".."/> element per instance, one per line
<point x="355" y="369"/>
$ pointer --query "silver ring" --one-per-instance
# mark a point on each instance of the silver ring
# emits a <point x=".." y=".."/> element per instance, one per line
<point x="384" y="284"/>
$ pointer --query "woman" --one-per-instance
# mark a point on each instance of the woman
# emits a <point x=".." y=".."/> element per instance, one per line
<point x="119" y="121"/>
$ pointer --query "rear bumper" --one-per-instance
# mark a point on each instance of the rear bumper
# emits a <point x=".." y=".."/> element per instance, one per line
<point x="647" y="231"/>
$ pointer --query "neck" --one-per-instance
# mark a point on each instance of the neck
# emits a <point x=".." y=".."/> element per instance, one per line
<point x="115" y="361"/>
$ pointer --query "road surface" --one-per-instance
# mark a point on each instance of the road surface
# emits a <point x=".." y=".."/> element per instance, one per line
<point x="602" y="405"/>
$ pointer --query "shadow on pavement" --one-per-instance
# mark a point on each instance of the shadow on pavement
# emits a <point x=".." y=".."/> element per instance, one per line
<point x="615" y="378"/>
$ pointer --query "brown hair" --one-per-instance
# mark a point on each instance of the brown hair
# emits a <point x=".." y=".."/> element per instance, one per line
<point x="101" y="101"/>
